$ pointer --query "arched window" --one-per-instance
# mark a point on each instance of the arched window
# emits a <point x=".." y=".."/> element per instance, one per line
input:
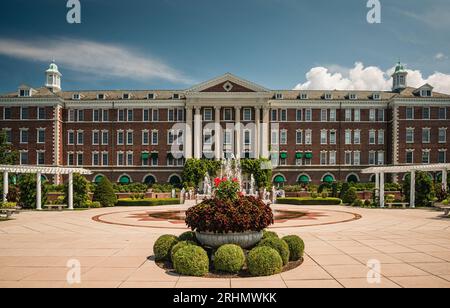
<point x="328" y="178"/>
<point x="149" y="180"/>
<point x="279" y="180"/>
<point x="353" y="178"/>
<point x="98" y="178"/>
<point x="304" y="179"/>
<point x="124" y="179"/>
<point x="175" y="180"/>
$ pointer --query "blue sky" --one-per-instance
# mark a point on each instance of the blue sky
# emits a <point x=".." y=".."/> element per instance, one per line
<point x="166" y="44"/>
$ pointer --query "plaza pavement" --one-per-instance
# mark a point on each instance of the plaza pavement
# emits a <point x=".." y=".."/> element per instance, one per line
<point x="413" y="247"/>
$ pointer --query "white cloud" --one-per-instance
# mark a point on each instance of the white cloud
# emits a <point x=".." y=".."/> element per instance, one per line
<point x="440" y="56"/>
<point x="367" y="78"/>
<point x="89" y="57"/>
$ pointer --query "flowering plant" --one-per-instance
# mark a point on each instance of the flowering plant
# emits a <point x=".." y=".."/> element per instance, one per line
<point x="226" y="189"/>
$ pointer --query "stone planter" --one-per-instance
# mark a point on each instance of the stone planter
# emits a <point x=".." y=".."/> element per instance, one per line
<point x="215" y="240"/>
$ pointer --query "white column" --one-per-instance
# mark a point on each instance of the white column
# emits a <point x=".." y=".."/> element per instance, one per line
<point x="38" y="192"/>
<point x="237" y="120"/>
<point x="198" y="133"/>
<point x="382" y="189"/>
<point x="70" y="191"/>
<point x="265" y="133"/>
<point x="217" y="133"/>
<point x="5" y="185"/>
<point x="377" y="184"/>
<point x="188" y="136"/>
<point x="444" y="179"/>
<point x="257" y="128"/>
<point x="412" y="190"/>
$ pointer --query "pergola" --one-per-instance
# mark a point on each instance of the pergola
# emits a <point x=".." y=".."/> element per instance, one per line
<point x="39" y="171"/>
<point x="381" y="171"/>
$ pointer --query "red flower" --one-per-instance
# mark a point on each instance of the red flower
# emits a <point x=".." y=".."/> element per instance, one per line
<point x="235" y="180"/>
<point x="224" y="179"/>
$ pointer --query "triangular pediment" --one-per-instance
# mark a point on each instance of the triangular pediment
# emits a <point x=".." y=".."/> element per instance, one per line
<point x="228" y="83"/>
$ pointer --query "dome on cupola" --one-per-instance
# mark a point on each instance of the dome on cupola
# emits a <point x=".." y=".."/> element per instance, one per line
<point x="399" y="78"/>
<point x="53" y="78"/>
<point x="399" y="68"/>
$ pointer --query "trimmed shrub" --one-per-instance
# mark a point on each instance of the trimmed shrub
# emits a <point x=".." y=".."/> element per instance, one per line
<point x="358" y="203"/>
<point x="229" y="258"/>
<point x="180" y="245"/>
<point x="80" y="191"/>
<point x="191" y="261"/>
<point x="267" y="234"/>
<point x="188" y="236"/>
<point x="264" y="261"/>
<point x="350" y="196"/>
<point x="163" y="246"/>
<point x="279" y="245"/>
<point x="310" y="201"/>
<point x="147" y="202"/>
<point x="8" y="205"/>
<point x="296" y="247"/>
<point x="104" y="193"/>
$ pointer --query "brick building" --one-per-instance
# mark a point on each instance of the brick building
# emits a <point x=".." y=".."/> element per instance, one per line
<point x="145" y="136"/>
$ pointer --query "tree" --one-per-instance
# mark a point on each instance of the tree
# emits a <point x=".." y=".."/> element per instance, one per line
<point x="104" y="193"/>
<point x="8" y="156"/>
<point x="195" y="170"/>
<point x="80" y="191"/>
<point x="261" y="170"/>
<point x="27" y="188"/>
<point x="350" y="196"/>
<point x="424" y="188"/>
<point x="344" y="188"/>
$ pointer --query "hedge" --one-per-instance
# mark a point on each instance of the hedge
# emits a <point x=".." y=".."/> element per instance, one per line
<point x="310" y="201"/>
<point x="147" y="202"/>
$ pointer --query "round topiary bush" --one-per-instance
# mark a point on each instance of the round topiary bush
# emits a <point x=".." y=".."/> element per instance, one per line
<point x="264" y="261"/>
<point x="267" y="234"/>
<point x="191" y="261"/>
<point x="229" y="258"/>
<point x="187" y="236"/>
<point x="180" y="245"/>
<point x="296" y="247"/>
<point x="279" y="245"/>
<point x="163" y="247"/>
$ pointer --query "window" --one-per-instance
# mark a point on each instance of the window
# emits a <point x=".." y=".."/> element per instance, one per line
<point x="80" y="137"/>
<point x="227" y="114"/>
<point x="70" y="159"/>
<point x="95" y="159"/>
<point x="372" y="158"/>
<point x="357" y="115"/>
<point x="425" y="157"/>
<point x="120" y="137"/>
<point x="324" y="115"/>
<point x="8" y="133"/>
<point x="442" y="156"/>
<point x="353" y="96"/>
<point x="328" y="96"/>
<point x="425" y="113"/>
<point x="145" y="137"/>
<point x="247" y="137"/>
<point x="155" y="137"/>
<point x="299" y="137"/>
<point x="207" y="114"/>
<point x="176" y="96"/>
<point x="180" y="115"/>
<point x="372" y="137"/>
<point x="274" y="115"/>
<point x="207" y="137"/>
<point x="154" y="159"/>
<point x="101" y="96"/>
<point x="105" y="159"/>
<point x="348" y="136"/>
<point x="70" y="137"/>
<point x="24" y="92"/>
<point x="308" y="137"/>
<point x="95" y="137"/>
<point x="227" y="137"/>
<point x="308" y="115"/>
<point x="278" y="96"/>
<point x="96" y="115"/>
<point x="40" y="160"/>
<point x="357" y="137"/>
<point x="247" y="114"/>
<point x="381" y="137"/>
<point x="283" y="137"/>
<point x="298" y="115"/>
<point x="409" y="113"/>
<point x="380" y="115"/>
<point x="357" y="158"/>
<point x="348" y="115"/>
<point x="348" y="158"/>
<point x="283" y="115"/>
<point x="105" y="137"/>
<point x="372" y="115"/>
<point x="171" y="136"/>
<point x="426" y="135"/>
<point x="376" y="96"/>
<point x="7" y="113"/>
<point x="323" y="137"/>
<point x="170" y="115"/>
<point x="76" y="97"/>
<point x="442" y="135"/>
<point x="332" y="159"/>
<point x="146" y="115"/>
<point x="410" y="135"/>
<point x="303" y="96"/>
<point x="130" y="137"/>
<point x="80" y="159"/>
<point x="130" y="159"/>
<point x="120" y="159"/>
<point x="121" y="115"/>
<point x="442" y="113"/>
<point x="126" y="96"/>
<point x="380" y="158"/>
<point x="23" y="135"/>
<point x="105" y="114"/>
<point x="323" y="158"/>
<point x="155" y="115"/>
<point x="409" y="156"/>
<point x="130" y="117"/>
<point x="24" y="113"/>
<point x="151" y="96"/>
<point x="333" y="137"/>
<point x="40" y="135"/>
<point x="24" y="158"/>
<point x="41" y="113"/>
<point x="332" y="115"/>
<point x="80" y="114"/>
<point x="425" y="93"/>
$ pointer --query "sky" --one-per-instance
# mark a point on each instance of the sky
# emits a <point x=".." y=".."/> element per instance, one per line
<point x="175" y="44"/>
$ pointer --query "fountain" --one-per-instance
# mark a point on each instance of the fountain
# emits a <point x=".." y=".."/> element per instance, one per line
<point x="207" y="186"/>
<point x="252" y="186"/>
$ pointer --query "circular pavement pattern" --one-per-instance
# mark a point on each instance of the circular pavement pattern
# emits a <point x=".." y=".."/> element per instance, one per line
<point x="285" y="217"/>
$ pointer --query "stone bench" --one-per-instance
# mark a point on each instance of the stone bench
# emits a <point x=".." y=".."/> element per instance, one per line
<point x="402" y="204"/>
<point x="58" y="207"/>
<point x="446" y="210"/>
<point x="7" y="213"/>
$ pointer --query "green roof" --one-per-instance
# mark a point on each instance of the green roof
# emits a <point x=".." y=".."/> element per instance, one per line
<point x="279" y="179"/>
<point x="304" y="179"/>
<point x="328" y="179"/>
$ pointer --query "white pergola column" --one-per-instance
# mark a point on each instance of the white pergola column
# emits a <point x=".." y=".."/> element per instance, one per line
<point x="412" y="190"/>
<point x="188" y="136"/>
<point x="265" y="133"/>
<point x="377" y="184"/>
<point x="382" y="189"/>
<point x="5" y="186"/>
<point x="257" y="131"/>
<point x="198" y="133"/>
<point x="444" y="179"/>
<point x="217" y="134"/>
<point x="70" y="191"/>
<point x="38" y="191"/>
<point x="237" y="119"/>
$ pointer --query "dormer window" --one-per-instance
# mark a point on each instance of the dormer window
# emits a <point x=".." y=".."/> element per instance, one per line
<point x="304" y="96"/>
<point x="76" y="96"/>
<point x="353" y="96"/>
<point x="176" y="96"/>
<point x="101" y="96"/>
<point x="24" y="92"/>
<point x="328" y="96"/>
<point x="151" y="96"/>
<point x="425" y="93"/>
<point x="376" y="96"/>
<point x="126" y="96"/>
<point x="278" y="96"/>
